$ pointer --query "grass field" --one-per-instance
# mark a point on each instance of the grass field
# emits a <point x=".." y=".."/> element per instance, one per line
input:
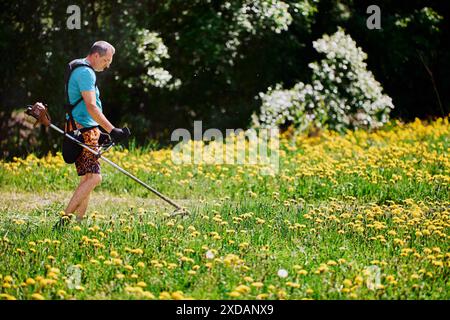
<point x="355" y="216"/>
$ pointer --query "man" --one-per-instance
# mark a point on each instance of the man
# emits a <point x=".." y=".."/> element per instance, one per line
<point x="88" y="114"/>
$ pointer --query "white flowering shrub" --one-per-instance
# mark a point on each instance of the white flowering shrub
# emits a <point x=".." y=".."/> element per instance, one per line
<point x="250" y="18"/>
<point x="343" y="94"/>
<point x="151" y="51"/>
<point x="270" y="14"/>
<point x="286" y="106"/>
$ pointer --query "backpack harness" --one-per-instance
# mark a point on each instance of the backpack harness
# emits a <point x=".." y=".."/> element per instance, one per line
<point x="77" y="63"/>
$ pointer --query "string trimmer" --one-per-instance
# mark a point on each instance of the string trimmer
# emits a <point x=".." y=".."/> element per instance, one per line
<point x="40" y="113"/>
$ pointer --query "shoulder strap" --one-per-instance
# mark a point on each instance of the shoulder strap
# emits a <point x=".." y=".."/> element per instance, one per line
<point x="69" y="107"/>
<point x="71" y="68"/>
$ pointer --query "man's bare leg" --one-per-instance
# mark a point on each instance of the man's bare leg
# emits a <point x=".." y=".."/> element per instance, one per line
<point x="81" y="210"/>
<point x="80" y="199"/>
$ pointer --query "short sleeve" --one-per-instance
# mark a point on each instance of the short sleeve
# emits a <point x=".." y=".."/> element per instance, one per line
<point x="86" y="80"/>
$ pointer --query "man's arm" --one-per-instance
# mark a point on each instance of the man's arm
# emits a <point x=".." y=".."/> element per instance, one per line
<point x="94" y="111"/>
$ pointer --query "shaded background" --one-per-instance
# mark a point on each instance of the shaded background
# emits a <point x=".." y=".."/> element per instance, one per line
<point x="219" y="63"/>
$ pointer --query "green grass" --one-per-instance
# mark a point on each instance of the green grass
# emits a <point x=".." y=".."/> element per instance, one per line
<point x="360" y="216"/>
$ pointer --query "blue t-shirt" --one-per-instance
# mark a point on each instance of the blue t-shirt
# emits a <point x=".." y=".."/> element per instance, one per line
<point x="83" y="79"/>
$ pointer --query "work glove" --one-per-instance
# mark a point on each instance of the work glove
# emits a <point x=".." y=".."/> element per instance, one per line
<point x="117" y="135"/>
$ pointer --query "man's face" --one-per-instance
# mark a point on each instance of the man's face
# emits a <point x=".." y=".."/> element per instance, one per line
<point x="102" y="62"/>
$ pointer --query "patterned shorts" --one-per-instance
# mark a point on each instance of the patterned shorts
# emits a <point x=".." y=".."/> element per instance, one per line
<point x="87" y="162"/>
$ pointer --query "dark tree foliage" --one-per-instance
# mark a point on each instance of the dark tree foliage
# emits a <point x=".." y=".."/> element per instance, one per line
<point x="221" y="55"/>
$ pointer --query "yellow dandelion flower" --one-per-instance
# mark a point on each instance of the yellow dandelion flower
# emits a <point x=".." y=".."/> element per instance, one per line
<point x="52" y="275"/>
<point x="257" y="284"/>
<point x="242" y="289"/>
<point x="302" y="272"/>
<point x="415" y="276"/>
<point x="128" y="267"/>
<point x="347" y="283"/>
<point x="61" y="293"/>
<point x="260" y="221"/>
<point x="359" y="280"/>
<point x="177" y="295"/>
<point x="281" y="294"/>
<point x="114" y="254"/>
<point x="438" y="263"/>
<point x="148" y="295"/>
<point x="292" y="284"/>
<point x="37" y="296"/>
<point x="137" y="251"/>
<point x="55" y="270"/>
<point x="331" y="263"/>
<point x="234" y="294"/>
<point x="164" y="295"/>
<point x="243" y="245"/>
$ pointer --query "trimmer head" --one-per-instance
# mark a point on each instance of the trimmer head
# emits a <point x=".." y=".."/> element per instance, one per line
<point x="180" y="212"/>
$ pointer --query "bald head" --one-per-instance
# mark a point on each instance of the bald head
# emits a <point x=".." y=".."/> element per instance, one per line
<point x="102" y="48"/>
<point x="100" y="55"/>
